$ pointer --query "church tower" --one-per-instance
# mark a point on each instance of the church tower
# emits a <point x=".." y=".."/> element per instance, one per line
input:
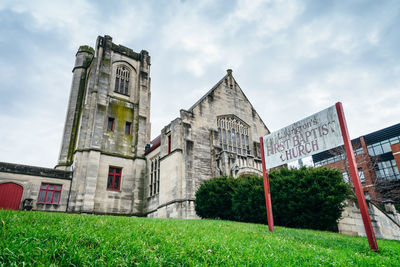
<point x="107" y="128"/>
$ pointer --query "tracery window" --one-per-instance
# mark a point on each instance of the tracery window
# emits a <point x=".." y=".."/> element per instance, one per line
<point x="154" y="187"/>
<point x="233" y="135"/>
<point x="122" y="80"/>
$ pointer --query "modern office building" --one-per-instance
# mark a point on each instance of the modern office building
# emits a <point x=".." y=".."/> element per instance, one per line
<point x="378" y="161"/>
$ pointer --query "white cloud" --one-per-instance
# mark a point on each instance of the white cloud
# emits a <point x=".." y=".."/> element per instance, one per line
<point x="290" y="58"/>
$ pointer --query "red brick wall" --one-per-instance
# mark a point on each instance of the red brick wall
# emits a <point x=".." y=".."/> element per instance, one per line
<point x="396" y="154"/>
<point x="364" y="162"/>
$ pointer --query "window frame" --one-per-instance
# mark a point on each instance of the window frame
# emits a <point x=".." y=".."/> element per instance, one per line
<point x="361" y="175"/>
<point x="234" y="135"/>
<point x="169" y="144"/>
<point x="114" y="174"/>
<point x="122" y="80"/>
<point x="128" y="128"/>
<point x="154" y="181"/>
<point x="46" y="190"/>
<point x="112" y="120"/>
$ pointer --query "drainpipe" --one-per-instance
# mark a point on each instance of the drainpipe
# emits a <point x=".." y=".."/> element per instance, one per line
<point x="70" y="186"/>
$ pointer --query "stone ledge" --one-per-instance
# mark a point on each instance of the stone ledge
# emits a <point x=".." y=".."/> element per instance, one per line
<point x="35" y="171"/>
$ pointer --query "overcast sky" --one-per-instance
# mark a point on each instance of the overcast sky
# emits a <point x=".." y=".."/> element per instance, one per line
<point x="291" y="59"/>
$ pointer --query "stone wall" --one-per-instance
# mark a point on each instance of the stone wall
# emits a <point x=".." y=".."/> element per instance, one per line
<point x="202" y="139"/>
<point x="195" y="154"/>
<point x="31" y="178"/>
<point x="351" y="222"/>
<point x="98" y="146"/>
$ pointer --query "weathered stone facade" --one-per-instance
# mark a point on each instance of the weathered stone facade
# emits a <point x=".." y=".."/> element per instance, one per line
<point x="107" y="164"/>
<point x="31" y="178"/>
<point x="201" y="148"/>
<point x="106" y="142"/>
<point x="107" y="124"/>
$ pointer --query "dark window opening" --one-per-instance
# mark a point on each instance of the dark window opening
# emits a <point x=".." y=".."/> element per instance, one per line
<point x="169" y="144"/>
<point x="128" y="127"/>
<point x="110" y="125"/>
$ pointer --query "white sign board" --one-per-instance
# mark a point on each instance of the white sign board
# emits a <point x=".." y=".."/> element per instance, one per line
<point x="312" y="135"/>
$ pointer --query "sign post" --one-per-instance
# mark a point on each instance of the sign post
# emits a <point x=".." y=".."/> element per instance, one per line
<point x="356" y="179"/>
<point x="267" y="192"/>
<point x="319" y="132"/>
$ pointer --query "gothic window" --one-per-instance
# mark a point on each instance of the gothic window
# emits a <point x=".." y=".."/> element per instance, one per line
<point x="233" y="135"/>
<point x="154" y="187"/>
<point x="122" y="80"/>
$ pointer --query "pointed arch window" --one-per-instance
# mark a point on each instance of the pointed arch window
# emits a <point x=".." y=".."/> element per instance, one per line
<point x="233" y="135"/>
<point x="154" y="186"/>
<point x="122" y="80"/>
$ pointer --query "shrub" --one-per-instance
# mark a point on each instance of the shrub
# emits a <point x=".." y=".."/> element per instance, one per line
<point x="301" y="198"/>
<point x="214" y="198"/>
<point x="248" y="201"/>
<point x="308" y="198"/>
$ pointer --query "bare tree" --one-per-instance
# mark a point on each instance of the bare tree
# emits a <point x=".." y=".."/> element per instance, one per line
<point x="364" y="162"/>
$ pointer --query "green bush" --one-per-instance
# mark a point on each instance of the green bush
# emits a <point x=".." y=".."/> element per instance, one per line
<point x="248" y="201"/>
<point x="308" y="198"/>
<point x="301" y="198"/>
<point x="214" y="198"/>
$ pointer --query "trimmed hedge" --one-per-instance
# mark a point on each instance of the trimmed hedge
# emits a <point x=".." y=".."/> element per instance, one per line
<point x="301" y="198"/>
<point x="248" y="201"/>
<point x="214" y="198"/>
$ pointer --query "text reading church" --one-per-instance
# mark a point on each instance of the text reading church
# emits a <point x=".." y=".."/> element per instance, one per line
<point x="107" y="164"/>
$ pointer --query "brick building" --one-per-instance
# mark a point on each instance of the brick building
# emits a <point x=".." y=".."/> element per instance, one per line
<point x="378" y="160"/>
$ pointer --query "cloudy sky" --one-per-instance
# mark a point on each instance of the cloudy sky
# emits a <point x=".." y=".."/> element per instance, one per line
<point x="291" y="58"/>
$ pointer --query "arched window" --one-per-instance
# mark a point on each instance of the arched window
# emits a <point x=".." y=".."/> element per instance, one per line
<point x="154" y="186"/>
<point x="122" y="80"/>
<point x="233" y="134"/>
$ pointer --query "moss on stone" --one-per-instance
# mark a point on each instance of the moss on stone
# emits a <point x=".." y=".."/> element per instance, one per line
<point x="104" y="75"/>
<point x="87" y="61"/>
<point x="77" y="116"/>
<point x="86" y="48"/>
<point x="106" y="62"/>
<point x="122" y="114"/>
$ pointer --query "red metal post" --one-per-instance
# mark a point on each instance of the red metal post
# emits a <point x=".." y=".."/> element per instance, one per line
<point x="356" y="179"/>
<point x="266" y="189"/>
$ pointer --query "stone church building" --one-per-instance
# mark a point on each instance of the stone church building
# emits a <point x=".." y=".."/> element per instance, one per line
<point x="107" y="162"/>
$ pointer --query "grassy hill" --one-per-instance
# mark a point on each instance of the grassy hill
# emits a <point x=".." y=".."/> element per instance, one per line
<point x="37" y="238"/>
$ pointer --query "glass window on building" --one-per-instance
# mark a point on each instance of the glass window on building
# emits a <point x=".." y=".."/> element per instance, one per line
<point x="361" y="175"/>
<point x="394" y="140"/>
<point x="235" y="135"/>
<point x="382" y="147"/>
<point x="386" y="147"/>
<point x="371" y="151"/>
<point x="358" y="151"/>
<point x="345" y="177"/>
<point x="387" y="170"/>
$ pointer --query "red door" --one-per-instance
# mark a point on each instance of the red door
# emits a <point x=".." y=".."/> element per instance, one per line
<point x="10" y="196"/>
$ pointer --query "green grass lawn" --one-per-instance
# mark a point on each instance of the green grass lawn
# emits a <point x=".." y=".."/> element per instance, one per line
<point x="37" y="238"/>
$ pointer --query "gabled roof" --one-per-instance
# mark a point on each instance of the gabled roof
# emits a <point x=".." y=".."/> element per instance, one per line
<point x="208" y="93"/>
<point x="229" y="73"/>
